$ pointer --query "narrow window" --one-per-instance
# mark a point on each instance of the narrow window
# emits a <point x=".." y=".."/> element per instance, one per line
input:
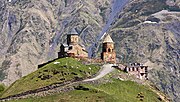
<point x="133" y="69"/>
<point x="138" y="69"/>
<point x="109" y="50"/>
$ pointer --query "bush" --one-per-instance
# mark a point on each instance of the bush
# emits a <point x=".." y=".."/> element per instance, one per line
<point x="1" y="88"/>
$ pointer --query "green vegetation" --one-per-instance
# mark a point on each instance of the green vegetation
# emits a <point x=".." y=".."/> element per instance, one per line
<point x="115" y="91"/>
<point x="2" y="88"/>
<point x="127" y="91"/>
<point x="65" y="69"/>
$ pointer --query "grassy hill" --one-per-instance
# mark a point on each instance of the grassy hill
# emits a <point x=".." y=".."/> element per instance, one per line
<point x="59" y="71"/>
<point x="114" y="91"/>
<point x="67" y="69"/>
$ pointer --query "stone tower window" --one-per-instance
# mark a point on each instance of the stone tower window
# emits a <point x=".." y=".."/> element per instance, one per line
<point x="109" y="50"/>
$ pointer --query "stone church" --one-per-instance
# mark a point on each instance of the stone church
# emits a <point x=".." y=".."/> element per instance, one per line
<point x="108" y="53"/>
<point x="73" y="48"/>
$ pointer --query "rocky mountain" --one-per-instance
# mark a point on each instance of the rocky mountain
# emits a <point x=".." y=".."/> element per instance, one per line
<point x="31" y="31"/>
<point x="145" y="31"/>
<point x="148" y="32"/>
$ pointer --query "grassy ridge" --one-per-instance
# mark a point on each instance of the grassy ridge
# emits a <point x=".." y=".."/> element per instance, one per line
<point x="65" y="69"/>
<point x="115" y="91"/>
<point x="68" y="69"/>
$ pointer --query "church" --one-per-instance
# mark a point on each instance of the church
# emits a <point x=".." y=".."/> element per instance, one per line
<point x="73" y="48"/>
<point x="108" y="53"/>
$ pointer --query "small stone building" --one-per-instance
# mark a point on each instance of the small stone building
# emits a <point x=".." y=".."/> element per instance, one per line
<point x="72" y="48"/>
<point x="108" y="53"/>
<point x="137" y="69"/>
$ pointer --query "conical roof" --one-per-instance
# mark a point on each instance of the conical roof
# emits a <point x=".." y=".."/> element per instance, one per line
<point x="73" y="31"/>
<point x="108" y="39"/>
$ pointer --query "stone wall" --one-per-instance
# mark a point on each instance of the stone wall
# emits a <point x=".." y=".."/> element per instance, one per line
<point x="44" y="91"/>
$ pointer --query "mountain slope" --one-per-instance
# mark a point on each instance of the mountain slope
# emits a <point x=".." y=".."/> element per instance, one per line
<point x="59" y="71"/>
<point x="156" y="43"/>
<point x="114" y="91"/>
<point x="31" y="31"/>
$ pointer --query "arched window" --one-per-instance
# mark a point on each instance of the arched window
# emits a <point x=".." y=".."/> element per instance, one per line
<point x="109" y="50"/>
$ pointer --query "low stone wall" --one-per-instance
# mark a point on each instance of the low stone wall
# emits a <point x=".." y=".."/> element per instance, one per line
<point x="47" y="90"/>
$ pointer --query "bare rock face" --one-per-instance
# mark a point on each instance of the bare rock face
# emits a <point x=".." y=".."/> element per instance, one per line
<point x="31" y="31"/>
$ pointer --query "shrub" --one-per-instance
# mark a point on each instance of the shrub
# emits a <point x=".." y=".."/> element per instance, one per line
<point x="1" y="88"/>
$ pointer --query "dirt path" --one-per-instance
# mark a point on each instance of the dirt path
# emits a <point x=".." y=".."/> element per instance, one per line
<point x="106" y="68"/>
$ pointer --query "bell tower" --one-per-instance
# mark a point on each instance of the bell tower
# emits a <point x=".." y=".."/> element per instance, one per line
<point x="72" y="37"/>
<point x="108" y="54"/>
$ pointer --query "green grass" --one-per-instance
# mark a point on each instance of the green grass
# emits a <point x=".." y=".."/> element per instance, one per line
<point x="2" y="88"/>
<point x="115" y="91"/>
<point x="68" y="69"/>
<point x="127" y="91"/>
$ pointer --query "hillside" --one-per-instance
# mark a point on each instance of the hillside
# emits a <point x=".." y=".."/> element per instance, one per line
<point x="114" y="91"/>
<point x="107" y="89"/>
<point x="31" y="31"/>
<point x="60" y="71"/>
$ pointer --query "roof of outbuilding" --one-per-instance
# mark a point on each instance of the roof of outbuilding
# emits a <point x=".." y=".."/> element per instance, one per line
<point x="107" y="39"/>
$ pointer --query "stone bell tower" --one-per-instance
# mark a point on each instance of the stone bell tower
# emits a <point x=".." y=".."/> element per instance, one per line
<point x="108" y="54"/>
<point x="72" y="37"/>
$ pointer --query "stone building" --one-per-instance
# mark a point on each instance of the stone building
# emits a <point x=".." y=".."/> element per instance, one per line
<point x="73" y="48"/>
<point x="138" y="70"/>
<point x="108" y="53"/>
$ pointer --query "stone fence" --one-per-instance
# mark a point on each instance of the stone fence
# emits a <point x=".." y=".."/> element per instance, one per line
<point x="47" y="90"/>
